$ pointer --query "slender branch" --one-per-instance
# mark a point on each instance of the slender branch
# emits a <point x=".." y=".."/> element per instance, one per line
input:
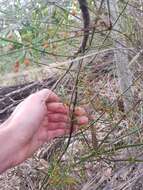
<point x="86" y="21"/>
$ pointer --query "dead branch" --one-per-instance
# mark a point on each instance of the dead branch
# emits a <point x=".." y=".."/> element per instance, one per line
<point x="86" y="20"/>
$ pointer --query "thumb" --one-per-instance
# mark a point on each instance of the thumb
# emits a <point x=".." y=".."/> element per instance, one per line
<point x="47" y="95"/>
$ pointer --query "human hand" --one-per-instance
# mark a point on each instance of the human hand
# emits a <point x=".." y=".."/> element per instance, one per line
<point x="38" y="119"/>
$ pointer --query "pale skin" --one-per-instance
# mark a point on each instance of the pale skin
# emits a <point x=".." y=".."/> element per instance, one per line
<point x="38" y="119"/>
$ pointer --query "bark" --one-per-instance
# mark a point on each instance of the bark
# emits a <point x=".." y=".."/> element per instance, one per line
<point x="11" y="96"/>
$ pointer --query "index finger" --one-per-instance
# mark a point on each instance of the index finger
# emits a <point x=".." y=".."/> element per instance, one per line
<point x="57" y="107"/>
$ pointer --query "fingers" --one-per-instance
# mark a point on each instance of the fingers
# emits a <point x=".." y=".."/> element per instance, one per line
<point x="58" y="112"/>
<point x="57" y="117"/>
<point x="56" y="126"/>
<point x="52" y="126"/>
<point x="56" y="107"/>
<point x="61" y="108"/>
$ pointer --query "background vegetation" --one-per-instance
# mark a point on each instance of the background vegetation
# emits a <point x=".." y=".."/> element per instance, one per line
<point x="96" y="48"/>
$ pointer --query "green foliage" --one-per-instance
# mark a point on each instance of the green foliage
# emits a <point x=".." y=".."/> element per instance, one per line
<point x="39" y="29"/>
